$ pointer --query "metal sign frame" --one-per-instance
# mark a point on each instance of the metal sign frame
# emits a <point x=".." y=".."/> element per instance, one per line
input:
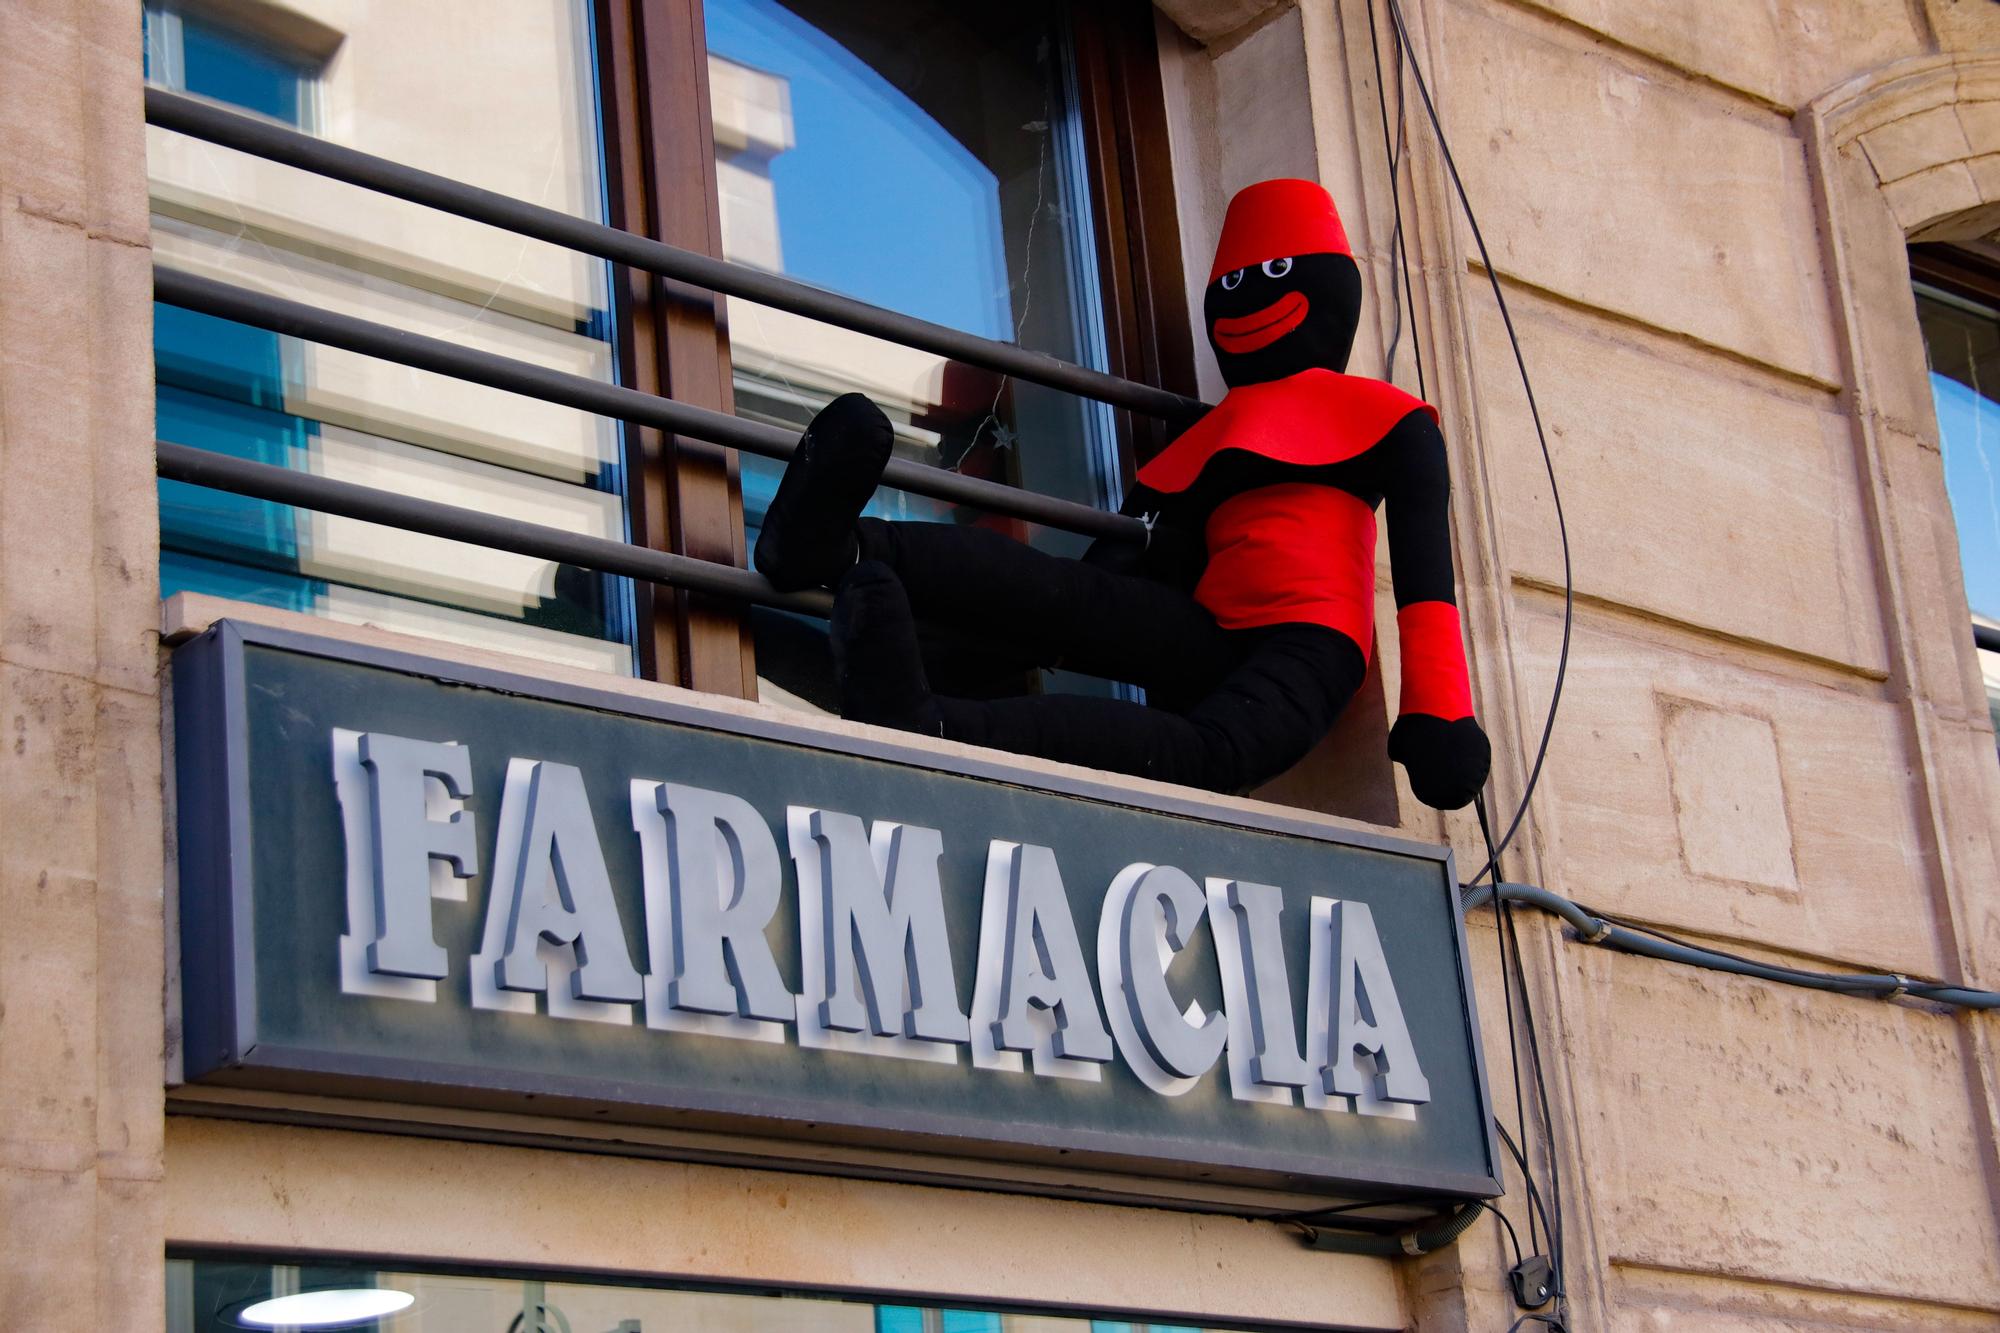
<point x="219" y="966"/>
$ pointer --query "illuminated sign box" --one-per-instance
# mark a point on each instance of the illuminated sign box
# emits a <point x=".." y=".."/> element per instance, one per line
<point x="413" y="881"/>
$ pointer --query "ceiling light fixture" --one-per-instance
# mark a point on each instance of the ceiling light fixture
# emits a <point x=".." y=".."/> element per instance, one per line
<point x="336" y="1308"/>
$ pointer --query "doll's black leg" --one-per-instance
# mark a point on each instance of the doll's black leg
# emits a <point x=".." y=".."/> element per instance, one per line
<point x="876" y="661"/>
<point x="808" y="535"/>
<point x="1049" y="611"/>
<point x="1262" y="718"/>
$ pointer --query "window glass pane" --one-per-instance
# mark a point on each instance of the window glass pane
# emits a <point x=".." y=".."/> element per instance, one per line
<point x="926" y="156"/>
<point x="216" y="63"/>
<point x="1962" y="339"/>
<point x="403" y="82"/>
<point x="213" y="1295"/>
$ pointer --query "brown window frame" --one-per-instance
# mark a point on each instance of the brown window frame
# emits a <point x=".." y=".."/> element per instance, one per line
<point x="686" y="495"/>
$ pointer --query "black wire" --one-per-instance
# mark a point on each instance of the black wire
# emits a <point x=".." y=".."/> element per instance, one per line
<point x="1541" y="436"/>
<point x="1398" y="251"/>
<point x="1557" y="1254"/>
<point x="1513" y="1042"/>
<point x="1535" y="1203"/>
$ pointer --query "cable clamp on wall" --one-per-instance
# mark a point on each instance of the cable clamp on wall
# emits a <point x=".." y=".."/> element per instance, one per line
<point x="1901" y="988"/>
<point x="1598" y="934"/>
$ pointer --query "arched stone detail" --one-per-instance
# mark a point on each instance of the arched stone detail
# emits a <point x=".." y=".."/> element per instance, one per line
<point x="1911" y="152"/>
<point x="1928" y="130"/>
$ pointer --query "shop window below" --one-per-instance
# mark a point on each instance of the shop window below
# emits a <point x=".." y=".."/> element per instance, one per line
<point x="229" y="1294"/>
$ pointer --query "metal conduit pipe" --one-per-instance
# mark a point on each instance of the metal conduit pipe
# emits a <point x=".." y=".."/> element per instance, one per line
<point x="1598" y="930"/>
<point x="276" y="143"/>
<point x="267" y="481"/>
<point x="208" y="296"/>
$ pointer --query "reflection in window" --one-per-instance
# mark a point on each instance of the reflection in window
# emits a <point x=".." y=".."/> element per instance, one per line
<point x="925" y="156"/>
<point x="401" y="83"/>
<point x="1962" y="340"/>
<point x="211" y="1295"/>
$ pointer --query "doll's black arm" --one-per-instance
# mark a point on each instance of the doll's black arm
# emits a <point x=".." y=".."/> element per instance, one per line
<point x="1435" y="737"/>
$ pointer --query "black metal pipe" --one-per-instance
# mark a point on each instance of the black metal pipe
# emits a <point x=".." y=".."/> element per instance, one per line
<point x="186" y="115"/>
<point x="266" y="481"/>
<point x="1986" y="636"/>
<point x="208" y="296"/>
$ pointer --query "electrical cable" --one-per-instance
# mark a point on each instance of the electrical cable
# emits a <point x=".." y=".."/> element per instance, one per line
<point x="1558" y="1242"/>
<point x="1492" y="865"/>
<point x="1513" y="1047"/>
<point x="1609" y="932"/>
<point x="1535" y="1203"/>
<point x="1514" y="974"/>
<point x="1398" y="251"/>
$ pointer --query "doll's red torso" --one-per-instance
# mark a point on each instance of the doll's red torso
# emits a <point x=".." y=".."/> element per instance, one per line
<point x="1297" y="552"/>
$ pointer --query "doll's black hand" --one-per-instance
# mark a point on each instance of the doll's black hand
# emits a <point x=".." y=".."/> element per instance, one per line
<point x="1447" y="761"/>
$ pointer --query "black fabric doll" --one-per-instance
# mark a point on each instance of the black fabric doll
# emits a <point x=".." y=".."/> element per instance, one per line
<point x="1249" y="613"/>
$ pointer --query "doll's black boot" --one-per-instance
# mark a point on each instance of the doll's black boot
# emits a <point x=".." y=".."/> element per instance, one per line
<point x="808" y="536"/>
<point x="876" y="659"/>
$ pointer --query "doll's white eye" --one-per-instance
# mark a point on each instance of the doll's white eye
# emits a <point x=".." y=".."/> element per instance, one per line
<point x="1231" y="281"/>
<point x="1277" y="268"/>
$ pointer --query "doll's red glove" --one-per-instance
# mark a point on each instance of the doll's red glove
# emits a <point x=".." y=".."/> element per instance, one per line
<point x="1435" y="739"/>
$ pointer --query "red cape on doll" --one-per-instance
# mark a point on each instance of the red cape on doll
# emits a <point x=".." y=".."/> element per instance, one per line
<point x="1309" y="419"/>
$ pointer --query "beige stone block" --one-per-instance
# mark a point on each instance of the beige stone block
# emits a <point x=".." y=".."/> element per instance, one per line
<point x="266" y="1187"/>
<point x="1979" y="122"/>
<point x="1703" y="1303"/>
<point x="1891" y="345"/>
<point x="47" y="786"/>
<point x="1207" y="20"/>
<point x="1265" y="101"/>
<point x="1729" y="795"/>
<point x="42" y="98"/>
<point x="1682" y="475"/>
<point x="1759" y="1131"/>
<point x="1607" y="801"/>
<point x="126" y="559"/>
<point x="48" y="1259"/>
<point x="1965" y="778"/>
<point x="1786" y="52"/>
<point x="1964" y="25"/>
<point x="113" y="59"/>
<point x="1597" y="179"/>
<point x="46" y="510"/>
<point x="131" y="1260"/>
<point x="1923" y="199"/>
<point x="1916" y="144"/>
<point x="1924" y="535"/>
<point x="131" y="1036"/>
<point x="48" y="1017"/>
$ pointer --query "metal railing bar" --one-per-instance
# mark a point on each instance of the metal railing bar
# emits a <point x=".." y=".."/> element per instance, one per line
<point x="305" y="490"/>
<point x="277" y="143"/>
<point x="209" y="296"/>
<point x="1986" y="636"/>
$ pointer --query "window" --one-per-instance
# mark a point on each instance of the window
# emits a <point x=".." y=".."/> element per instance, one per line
<point x="970" y="164"/>
<point x="1958" y="308"/>
<point x="928" y="158"/>
<point x="224" y="1295"/>
<point x="278" y="399"/>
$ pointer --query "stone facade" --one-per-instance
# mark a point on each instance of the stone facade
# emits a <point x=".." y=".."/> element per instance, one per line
<point x="1773" y="734"/>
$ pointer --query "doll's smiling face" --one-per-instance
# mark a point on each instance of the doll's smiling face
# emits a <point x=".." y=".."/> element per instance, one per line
<point x="1283" y="316"/>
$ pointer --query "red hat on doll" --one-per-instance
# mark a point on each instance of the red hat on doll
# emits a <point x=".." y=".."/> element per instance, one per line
<point x="1273" y="219"/>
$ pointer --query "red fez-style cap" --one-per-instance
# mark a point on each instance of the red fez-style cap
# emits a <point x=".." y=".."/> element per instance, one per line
<point x="1272" y="219"/>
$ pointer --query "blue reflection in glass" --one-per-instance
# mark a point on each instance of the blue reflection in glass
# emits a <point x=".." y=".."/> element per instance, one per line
<point x="875" y="200"/>
<point x="1969" y="431"/>
<point x="219" y="64"/>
